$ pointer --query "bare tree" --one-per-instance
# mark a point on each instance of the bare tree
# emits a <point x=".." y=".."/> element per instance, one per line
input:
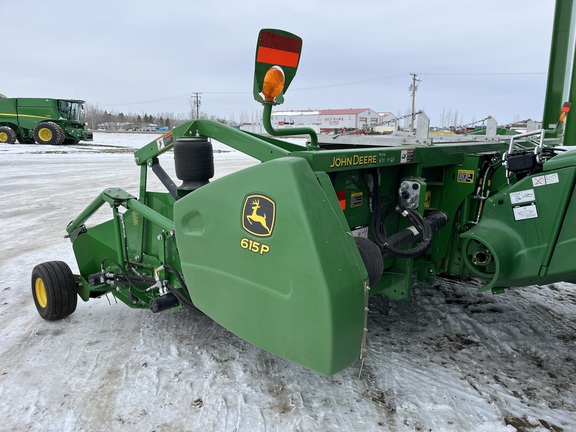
<point x="456" y="119"/>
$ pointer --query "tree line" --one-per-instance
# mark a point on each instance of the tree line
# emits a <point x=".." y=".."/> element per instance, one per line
<point x="99" y="118"/>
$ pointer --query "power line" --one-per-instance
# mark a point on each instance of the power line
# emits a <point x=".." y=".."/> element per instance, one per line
<point x="324" y="86"/>
<point x="484" y="73"/>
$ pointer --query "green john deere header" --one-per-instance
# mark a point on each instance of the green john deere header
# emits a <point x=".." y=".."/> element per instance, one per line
<point x="287" y="253"/>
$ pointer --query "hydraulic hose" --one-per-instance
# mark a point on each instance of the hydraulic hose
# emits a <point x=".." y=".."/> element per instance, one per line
<point x="421" y="228"/>
<point x="182" y="298"/>
<point x="434" y="222"/>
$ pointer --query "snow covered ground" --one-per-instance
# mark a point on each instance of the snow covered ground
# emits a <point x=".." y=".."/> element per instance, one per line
<point x="447" y="360"/>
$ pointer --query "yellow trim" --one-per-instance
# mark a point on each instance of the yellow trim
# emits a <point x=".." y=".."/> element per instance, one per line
<point x="40" y="291"/>
<point x="24" y="115"/>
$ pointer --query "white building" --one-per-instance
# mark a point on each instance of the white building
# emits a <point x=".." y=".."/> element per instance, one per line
<point x="331" y="120"/>
<point x="387" y="124"/>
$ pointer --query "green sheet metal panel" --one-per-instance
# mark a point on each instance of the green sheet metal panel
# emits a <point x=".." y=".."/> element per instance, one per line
<point x="557" y="69"/>
<point x="519" y="230"/>
<point x="266" y="253"/>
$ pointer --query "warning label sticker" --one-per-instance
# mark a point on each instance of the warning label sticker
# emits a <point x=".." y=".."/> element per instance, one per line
<point x="356" y="199"/>
<point x="407" y="156"/>
<point x="525" y="212"/>
<point x="165" y="140"/>
<point x="522" y="196"/>
<point x="465" y="176"/>
<point x="544" y="180"/>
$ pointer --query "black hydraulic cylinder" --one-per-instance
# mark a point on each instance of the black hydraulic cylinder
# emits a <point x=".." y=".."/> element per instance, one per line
<point x="162" y="303"/>
<point x="165" y="179"/>
<point x="435" y="221"/>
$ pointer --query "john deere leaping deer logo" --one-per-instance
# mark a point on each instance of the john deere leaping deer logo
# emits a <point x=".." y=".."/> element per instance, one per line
<point x="258" y="215"/>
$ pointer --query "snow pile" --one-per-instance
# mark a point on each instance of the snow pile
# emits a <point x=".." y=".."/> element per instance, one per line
<point x="447" y="360"/>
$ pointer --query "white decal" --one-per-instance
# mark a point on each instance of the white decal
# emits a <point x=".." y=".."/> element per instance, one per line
<point x="552" y="178"/>
<point x="525" y="212"/>
<point x="538" y="181"/>
<point x="407" y="156"/>
<point x="545" y="179"/>
<point x="522" y="196"/>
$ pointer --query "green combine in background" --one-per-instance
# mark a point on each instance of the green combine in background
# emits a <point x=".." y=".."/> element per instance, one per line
<point x="286" y="253"/>
<point x="44" y="121"/>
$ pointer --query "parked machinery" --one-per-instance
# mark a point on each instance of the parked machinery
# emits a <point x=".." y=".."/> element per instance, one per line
<point x="286" y="253"/>
<point x="44" y="121"/>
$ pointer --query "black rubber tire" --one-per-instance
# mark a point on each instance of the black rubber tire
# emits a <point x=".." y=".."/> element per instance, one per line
<point x="7" y="135"/>
<point x="54" y="290"/>
<point x="49" y="133"/>
<point x="372" y="258"/>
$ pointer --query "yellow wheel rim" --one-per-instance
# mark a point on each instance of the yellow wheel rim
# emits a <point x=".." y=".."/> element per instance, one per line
<point x="40" y="291"/>
<point x="45" y="134"/>
<point x="3" y="137"/>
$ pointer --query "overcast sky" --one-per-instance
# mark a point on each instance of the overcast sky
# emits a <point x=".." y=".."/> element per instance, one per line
<point x="477" y="58"/>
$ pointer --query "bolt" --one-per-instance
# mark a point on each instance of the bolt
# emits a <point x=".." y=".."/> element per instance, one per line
<point x="159" y="237"/>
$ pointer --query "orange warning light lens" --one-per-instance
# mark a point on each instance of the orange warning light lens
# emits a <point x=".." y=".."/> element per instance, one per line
<point x="564" y="112"/>
<point x="273" y="84"/>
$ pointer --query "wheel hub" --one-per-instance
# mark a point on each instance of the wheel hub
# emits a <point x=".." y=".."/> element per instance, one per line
<point x="40" y="290"/>
<point x="45" y="134"/>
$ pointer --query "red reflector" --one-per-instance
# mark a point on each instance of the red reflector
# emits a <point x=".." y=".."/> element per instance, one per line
<point x="278" y="49"/>
<point x="341" y="194"/>
<point x="277" y="57"/>
<point x="566" y="107"/>
<point x="280" y="42"/>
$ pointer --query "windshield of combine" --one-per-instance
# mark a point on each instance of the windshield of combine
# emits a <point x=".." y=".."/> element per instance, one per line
<point x="70" y="110"/>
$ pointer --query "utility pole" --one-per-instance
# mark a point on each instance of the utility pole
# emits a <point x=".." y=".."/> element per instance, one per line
<point x="413" y="89"/>
<point x="196" y="98"/>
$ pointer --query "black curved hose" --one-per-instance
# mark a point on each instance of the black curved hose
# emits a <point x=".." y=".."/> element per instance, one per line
<point x="132" y="280"/>
<point x="378" y="228"/>
<point x="185" y="300"/>
<point x="129" y="280"/>
<point x="424" y="229"/>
